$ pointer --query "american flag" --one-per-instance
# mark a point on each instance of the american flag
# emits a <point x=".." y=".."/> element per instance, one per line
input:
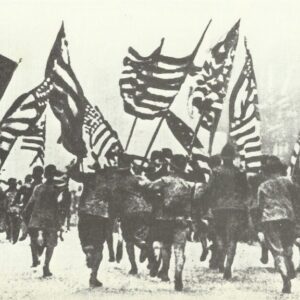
<point x="294" y="158"/>
<point x="210" y="82"/>
<point x="67" y="101"/>
<point x="35" y="142"/>
<point x="22" y="116"/>
<point x="185" y="136"/>
<point x="244" y="117"/>
<point x="149" y="84"/>
<point x="99" y="136"/>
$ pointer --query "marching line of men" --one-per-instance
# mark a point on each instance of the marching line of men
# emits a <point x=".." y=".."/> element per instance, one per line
<point x="160" y="201"/>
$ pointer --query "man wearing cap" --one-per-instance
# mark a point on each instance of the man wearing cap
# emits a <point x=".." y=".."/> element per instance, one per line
<point x="172" y="227"/>
<point x="93" y="215"/>
<point x="37" y="176"/>
<point x="278" y="201"/>
<point x="130" y="205"/>
<point x="228" y="195"/>
<point x="44" y="222"/>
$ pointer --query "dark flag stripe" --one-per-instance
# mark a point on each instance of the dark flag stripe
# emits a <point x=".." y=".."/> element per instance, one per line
<point x="244" y="117"/>
<point x="7" y="69"/>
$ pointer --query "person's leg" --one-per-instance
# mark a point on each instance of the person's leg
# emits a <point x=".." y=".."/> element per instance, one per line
<point x="220" y="220"/>
<point x="34" y="247"/>
<point x="288" y="238"/>
<point x="180" y="237"/>
<point x="274" y="243"/>
<point x="166" y="238"/>
<point x="235" y="224"/>
<point x="97" y="258"/>
<point x="109" y="239"/>
<point x="50" y="238"/>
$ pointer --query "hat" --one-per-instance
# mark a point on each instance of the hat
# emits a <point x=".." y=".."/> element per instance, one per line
<point x="37" y="171"/>
<point x="179" y="162"/>
<point x="273" y="165"/>
<point x="51" y="171"/>
<point x="167" y="153"/>
<point x="228" y="152"/>
<point x="156" y="155"/>
<point x="12" y="181"/>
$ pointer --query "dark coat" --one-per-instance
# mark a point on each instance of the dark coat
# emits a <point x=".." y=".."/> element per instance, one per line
<point x="176" y="194"/>
<point x="96" y="192"/>
<point x="128" y="196"/>
<point x="276" y="197"/>
<point x="228" y="188"/>
<point x="45" y="207"/>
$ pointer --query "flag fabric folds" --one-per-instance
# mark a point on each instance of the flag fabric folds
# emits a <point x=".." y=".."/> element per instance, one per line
<point x="244" y="117"/>
<point x="22" y="116"/>
<point x="67" y="101"/>
<point x="149" y="85"/>
<point x="185" y="136"/>
<point x="100" y="138"/>
<point x="35" y="142"/>
<point x="210" y="82"/>
<point x="7" y="69"/>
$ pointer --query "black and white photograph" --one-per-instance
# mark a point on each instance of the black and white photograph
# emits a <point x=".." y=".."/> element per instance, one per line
<point x="149" y="149"/>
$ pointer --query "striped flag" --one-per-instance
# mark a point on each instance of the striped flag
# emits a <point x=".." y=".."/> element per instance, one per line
<point x="149" y="84"/>
<point x="294" y="158"/>
<point x="244" y="117"/>
<point x="67" y="101"/>
<point x="7" y="69"/>
<point x="22" y="116"/>
<point x="100" y="138"/>
<point x="35" y="142"/>
<point x="184" y="134"/>
<point x="210" y="82"/>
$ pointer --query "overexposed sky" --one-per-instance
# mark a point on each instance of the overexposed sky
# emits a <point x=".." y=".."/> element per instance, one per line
<point x="99" y="33"/>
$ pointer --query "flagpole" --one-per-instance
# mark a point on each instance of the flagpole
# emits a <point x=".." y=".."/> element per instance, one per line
<point x="189" y="66"/>
<point x="131" y="132"/>
<point x="195" y="134"/>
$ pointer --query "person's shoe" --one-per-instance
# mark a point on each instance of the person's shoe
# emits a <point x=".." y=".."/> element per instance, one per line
<point x="46" y="272"/>
<point x="178" y="285"/>
<point x="111" y="259"/>
<point x="133" y="271"/>
<point x="35" y="264"/>
<point x="287" y="288"/>
<point x="204" y="255"/>
<point x="23" y="237"/>
<point x="227" y="274"/>
<point x="94" y="283"/>
<point x="163" y="276"/>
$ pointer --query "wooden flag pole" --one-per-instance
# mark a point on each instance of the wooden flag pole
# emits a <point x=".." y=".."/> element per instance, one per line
<point x="131" y="133"/>
<point x="195" y="134"/>
<point x="189" y="66"/>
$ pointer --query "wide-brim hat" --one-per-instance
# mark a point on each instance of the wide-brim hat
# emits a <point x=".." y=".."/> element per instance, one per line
<point x="51" y="171"/>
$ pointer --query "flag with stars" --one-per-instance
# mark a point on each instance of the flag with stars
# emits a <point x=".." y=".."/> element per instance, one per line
<point x="185" y="135"/>
<point x="210" y="82"/>
<point x="100" y="139"/>
<point x="22" y="116"/>
<point x="244" y="117"/>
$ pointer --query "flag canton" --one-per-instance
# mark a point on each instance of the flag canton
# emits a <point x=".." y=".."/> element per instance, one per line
<point x="210" y="82"/>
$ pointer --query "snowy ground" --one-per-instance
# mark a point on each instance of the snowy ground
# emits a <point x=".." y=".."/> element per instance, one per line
<point x="251" y="280"/>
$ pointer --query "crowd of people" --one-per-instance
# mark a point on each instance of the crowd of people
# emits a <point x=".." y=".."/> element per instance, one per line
<point x="165" y="200"/>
